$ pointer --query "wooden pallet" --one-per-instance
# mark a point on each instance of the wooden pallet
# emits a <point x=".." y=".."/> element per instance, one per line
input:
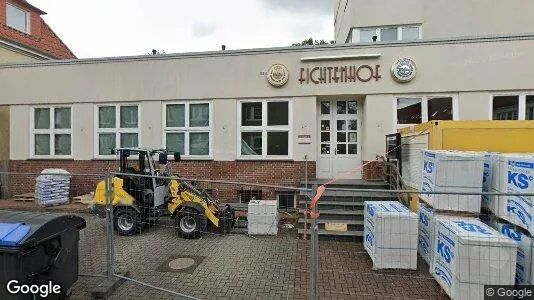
<point x="84" y="199"/>
<point x="24" y="197"/>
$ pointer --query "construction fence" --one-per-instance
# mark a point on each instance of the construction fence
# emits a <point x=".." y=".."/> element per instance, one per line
<point x="343" y="239"/>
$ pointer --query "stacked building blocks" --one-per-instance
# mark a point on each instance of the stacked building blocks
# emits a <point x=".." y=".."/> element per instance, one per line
<point x="452" y="171"/>
<point x="524" y="249"/>
<point x="514" y="173"/>
<point x="470" y="254"/>
<point x="390" y="235"/>
<point x="262" y="217"/>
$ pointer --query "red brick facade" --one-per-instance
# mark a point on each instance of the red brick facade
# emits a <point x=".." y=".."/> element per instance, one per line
<point x="282" y="173"/>
<point x="374" y="171"/>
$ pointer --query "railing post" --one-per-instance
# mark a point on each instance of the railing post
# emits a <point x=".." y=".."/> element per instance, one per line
<point x="306" y="198"/>
<point x="109" y="218"/>
<point x="314" y="255"/>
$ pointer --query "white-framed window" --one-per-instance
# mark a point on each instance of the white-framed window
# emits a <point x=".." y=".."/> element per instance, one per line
<point x="385" y="33"/>
<point x="187" y="128"/>
<point x="512" y="106"/>
<point x="51" y="132"/>
<point x="264" y="129"/>
<point x="411" y="110"/>
<point x="18" y="18"/>
<point x="116" y="126"/>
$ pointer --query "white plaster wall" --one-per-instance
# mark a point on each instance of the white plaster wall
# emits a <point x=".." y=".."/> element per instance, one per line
<point x="19" y="137"/>
<point x="377" y="122"/>
<point x="304" y="123"/>
<point x="225" y="129"/>
<point x="83" y="134"/>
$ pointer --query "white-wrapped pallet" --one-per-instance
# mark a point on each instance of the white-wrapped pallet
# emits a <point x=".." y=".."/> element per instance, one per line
<point x="515" y="174"/>
<point x="469" y="254"/>
<point x="52" y="187"/>
<point x="524" y="250"/>
<point x="262" y="217"/>
<point x="487" y="178"/>
<point x="390" y="235"/>
<point x="426" y="233"/>
<point x="452" y="171"/>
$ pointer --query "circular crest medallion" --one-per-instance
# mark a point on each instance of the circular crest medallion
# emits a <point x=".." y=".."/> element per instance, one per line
<point x="278" y="75"/>
<point x="404" y="70"/>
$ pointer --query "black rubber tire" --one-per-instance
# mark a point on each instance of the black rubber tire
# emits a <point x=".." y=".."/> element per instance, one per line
<point x="196" y="219"/>
<point x="130" y="214"/>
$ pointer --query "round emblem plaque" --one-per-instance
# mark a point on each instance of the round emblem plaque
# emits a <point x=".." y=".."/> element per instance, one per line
<point x="404" y="70"/>
<point x="278" y="75"/>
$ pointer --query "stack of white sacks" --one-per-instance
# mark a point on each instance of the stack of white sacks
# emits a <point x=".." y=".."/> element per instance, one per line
<point x="52" y="187"/>
<point x="460" y="251"/>
<point x="390" y="235"/>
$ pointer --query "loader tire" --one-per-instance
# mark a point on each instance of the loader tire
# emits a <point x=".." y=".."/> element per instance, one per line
<point x="127" y="221"/>
<point x="190" y="223"/>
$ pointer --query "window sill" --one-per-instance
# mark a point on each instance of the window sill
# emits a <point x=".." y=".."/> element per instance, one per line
<point x="193" y="158"/>
<point x="288" y="159"/>
<point x="36" y="158"/>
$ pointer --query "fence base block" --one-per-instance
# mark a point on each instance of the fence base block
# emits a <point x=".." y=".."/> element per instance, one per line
<point x="108" y="286"/>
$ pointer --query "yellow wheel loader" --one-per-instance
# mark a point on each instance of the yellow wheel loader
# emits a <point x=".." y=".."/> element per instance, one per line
<point x="142" y="193"/>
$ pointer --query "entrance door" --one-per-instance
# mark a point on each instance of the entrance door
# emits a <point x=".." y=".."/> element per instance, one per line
<point x="339" y="138"/>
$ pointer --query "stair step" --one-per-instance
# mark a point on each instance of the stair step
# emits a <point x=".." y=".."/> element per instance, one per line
<point x="336" y="205"/>
<point x="322" y="221"/>
<point x="352" y="194"/>
<point x="335" y="233"/>
<point x="337" y="212"/>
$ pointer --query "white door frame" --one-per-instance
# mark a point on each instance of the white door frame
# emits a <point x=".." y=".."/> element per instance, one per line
<point x="332" y="155"/>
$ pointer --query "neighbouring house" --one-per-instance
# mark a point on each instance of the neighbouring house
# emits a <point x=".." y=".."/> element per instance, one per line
<point x="24" y="37"/>
<point x="262" y="115"/>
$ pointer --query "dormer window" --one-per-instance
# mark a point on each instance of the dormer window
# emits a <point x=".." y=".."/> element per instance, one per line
<point x="18" y="18"/>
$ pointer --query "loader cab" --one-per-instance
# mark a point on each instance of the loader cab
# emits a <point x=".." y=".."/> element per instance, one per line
<point x="137" y="168"/>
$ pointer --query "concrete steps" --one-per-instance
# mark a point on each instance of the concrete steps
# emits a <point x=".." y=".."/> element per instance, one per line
<point x="341" y="206"/>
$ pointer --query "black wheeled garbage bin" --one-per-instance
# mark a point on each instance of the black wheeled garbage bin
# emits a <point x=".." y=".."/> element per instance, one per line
<point x="38" y="253"/>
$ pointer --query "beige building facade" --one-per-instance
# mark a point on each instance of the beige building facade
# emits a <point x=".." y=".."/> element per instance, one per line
<point x="263" y="115"/>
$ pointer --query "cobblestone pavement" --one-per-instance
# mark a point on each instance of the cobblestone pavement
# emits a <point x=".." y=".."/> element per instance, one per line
<point x="237" y="266"/>
<point x="345" y="272"/>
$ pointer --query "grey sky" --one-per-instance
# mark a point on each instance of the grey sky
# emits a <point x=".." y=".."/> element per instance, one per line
<point x="100" y="28"/>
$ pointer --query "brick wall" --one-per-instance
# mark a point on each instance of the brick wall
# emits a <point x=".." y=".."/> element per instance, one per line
<point x="374" y="171"/>
<point x="284" y="173"/>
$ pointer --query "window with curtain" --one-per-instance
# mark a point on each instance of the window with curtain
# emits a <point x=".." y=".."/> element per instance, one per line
<point x="117" y="127"/>
<point x="265" y="129"/>
<point x="52" y="131"/>
<point x="187" y="128"/>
